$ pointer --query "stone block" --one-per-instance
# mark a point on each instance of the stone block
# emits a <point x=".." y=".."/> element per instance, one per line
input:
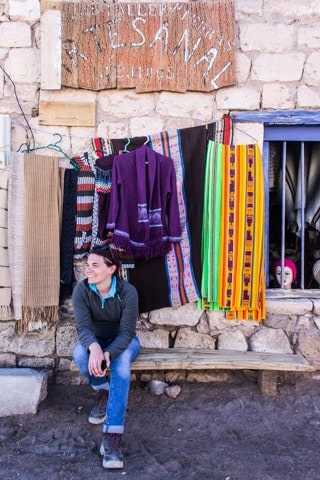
<point x="7" y="360"/>
<point x="316" y="307"/>
<point x="114" y="130"/>
<point x="189" y="339"/>
<point x="248" y="7"/>
<point x="266" y="38"/>
<point x="239" y="98"/>
<point x="125" y="103"/>
<point x="148" y="124"/>
<point x="194" y="105"/>
<point x="270" y="340"/>
<point x="317" y="322"/>
<point x="3" y="217"/>
<point x="22" y="64"/>
<point x="243" y="65"/>
<point x="39" y="362"/>
<point x="309" y="346"/>
<point x="156" y="339"/>
<point x="280" y="321"/>
<point x="278" y="95"/>
<point x="201" y="376"/>
<point x="66" y="339"/>
<point x="289" y="306"/>
<point x="288" y="10"/>
<point x="232" y="340"/>
<point x="67" y="108"/>
<point x="187" y="315"/>
<point x="15" y="34"/>
<point x="311" y="72"/>
<point x="22" y="390"/>
<point x="309" y="37"/>
<point x="28" y="10"/>
<point x="3" y="236"/>
<point x="294" y="63"/>
<point x="37" y="344"/>
<point x="308" y="97"/>
<point x="65" y="364"/>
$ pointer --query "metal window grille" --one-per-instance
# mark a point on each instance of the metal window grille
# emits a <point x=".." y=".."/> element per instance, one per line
<point x="286" y="196"/>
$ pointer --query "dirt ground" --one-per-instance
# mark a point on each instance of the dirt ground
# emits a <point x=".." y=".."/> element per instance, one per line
<point x="211" y="431"/>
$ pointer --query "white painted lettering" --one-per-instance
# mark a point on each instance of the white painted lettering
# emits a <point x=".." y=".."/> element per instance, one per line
<point x="209" y="58"/>
<point x="185" y="38"/>
<point x="143" y="38"/>
<point x="158" y="36"/>
<point x="213" y="80"/>
<point x="113" y="35"/>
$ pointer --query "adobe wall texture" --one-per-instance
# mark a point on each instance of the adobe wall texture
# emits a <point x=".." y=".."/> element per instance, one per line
<point x="278" y="68"/>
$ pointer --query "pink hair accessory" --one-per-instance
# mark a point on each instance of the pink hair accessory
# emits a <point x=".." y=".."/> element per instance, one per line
<point x="287" y="263"/>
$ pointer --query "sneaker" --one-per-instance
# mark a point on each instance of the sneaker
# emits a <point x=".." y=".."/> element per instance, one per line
<point x="111" y="450"/>
<point x="98" y="413"/>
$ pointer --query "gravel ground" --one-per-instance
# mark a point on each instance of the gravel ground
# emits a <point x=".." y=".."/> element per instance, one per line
<point x="211" y="431"/>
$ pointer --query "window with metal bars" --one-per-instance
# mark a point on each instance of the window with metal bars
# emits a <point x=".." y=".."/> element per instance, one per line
<point x="291" y="156"/>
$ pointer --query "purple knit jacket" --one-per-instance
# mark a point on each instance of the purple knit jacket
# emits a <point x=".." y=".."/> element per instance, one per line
<point x="143" y="212"/>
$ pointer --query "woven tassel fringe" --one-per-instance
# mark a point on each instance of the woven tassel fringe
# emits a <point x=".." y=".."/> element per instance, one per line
<point x="37" y="318"/>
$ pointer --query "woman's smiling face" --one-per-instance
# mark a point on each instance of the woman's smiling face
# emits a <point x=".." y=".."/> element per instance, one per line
<point x="97" y="270"/>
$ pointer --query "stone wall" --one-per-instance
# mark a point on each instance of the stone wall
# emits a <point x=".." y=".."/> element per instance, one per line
<point x="278" y="68"/>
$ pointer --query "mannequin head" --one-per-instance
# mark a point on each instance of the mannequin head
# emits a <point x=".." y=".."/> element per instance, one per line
<point x="289" y="273"/>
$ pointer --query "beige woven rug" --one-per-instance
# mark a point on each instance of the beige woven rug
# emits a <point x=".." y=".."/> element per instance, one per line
<point x="5" y="282"/>
<point x="41" y="280"/>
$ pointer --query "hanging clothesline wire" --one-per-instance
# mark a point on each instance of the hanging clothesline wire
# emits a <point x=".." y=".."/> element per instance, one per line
<point x="40" y="131"/>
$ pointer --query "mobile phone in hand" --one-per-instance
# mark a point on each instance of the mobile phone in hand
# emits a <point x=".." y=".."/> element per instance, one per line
<point x="103" y="365"/>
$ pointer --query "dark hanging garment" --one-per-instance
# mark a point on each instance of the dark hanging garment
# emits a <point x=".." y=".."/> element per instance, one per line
<point x="194" y="141"/>
<point x="150" y="279"/>
<point x="193" y="146"/>
<point x="103" y="189"/>
<point x="68" y="232"/>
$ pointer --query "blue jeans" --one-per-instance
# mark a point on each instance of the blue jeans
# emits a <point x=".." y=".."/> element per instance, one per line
<point x="120" y="377"/>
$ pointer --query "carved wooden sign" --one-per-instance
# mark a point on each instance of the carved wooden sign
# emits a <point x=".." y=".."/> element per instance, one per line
<point x="148" y="46"/>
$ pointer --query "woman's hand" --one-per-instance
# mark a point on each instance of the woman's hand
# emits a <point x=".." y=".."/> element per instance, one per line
<point x="107" y="359"/>
<point x="96" y="358"/>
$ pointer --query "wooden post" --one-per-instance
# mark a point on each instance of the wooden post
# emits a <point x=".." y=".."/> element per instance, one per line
<point x="267" y="381"/>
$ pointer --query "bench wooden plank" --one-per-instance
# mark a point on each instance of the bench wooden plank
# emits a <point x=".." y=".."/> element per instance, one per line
<point x="189" y="359"/>
<point x="267" y="364"/>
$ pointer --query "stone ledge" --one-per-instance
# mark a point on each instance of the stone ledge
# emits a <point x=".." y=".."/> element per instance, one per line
<point x="22" y="390"/>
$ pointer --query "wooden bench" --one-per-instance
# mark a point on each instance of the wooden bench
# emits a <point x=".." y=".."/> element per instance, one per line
<point x="267" y="364"/>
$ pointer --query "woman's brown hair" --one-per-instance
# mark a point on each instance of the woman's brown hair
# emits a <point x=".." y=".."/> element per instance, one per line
<point x="108" y="256"/>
